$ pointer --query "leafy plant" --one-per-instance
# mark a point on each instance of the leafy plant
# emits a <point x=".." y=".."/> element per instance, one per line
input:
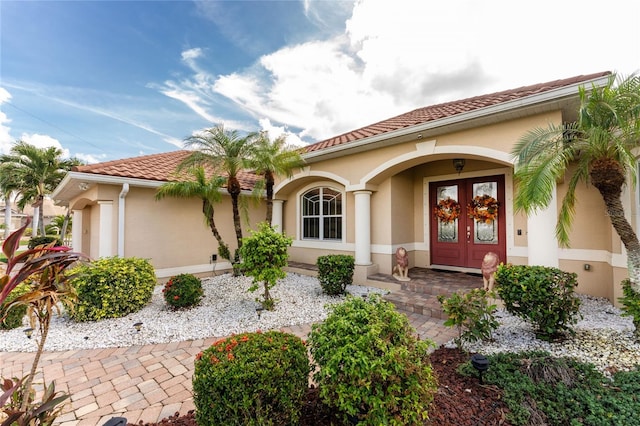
<point x="372" y="368"/>
<point x="183" y="291"/>
<point x="542" y="295"/>
<point x="631" y="305"/>
<point x="251" y="379"/>
<point x="541" y="389"/>
<point x="46" y="268"/>
<point x="264" y="254"/>
<point x="335" y="273"/>
<point x="43" y="412"/>
<point x="471" y="313"/>
<point x="12" y="318"/>
<point x="112" y="287"/>
<point x="44" y="240"/>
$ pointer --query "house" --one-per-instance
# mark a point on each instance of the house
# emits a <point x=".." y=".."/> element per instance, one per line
<point x="368" y="192"/>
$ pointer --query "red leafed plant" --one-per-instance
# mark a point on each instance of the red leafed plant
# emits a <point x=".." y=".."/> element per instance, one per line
<point x="44" y="269"/>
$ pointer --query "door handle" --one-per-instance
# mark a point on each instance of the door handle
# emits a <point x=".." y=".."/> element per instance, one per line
<point x="468" y="233"/>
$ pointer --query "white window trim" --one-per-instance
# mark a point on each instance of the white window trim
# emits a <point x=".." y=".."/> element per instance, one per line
<point x="319" y="242"/>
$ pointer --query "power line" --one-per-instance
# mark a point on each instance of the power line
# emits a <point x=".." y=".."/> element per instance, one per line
<point x="54" y="125"/>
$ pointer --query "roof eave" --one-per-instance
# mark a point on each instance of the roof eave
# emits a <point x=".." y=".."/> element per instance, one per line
<point x="367" y="143"/>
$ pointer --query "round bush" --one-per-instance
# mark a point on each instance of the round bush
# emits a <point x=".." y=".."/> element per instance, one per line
<point x="543" y="296"/>
<point x="251" y="379"/>
<point x="112" y="287"/>
<point x="44" y="240"/>
<point x="183" y="291"/>
<point x="335" y="273"/>
<point x="13" y="318"/>
<point x="371" y="367"/>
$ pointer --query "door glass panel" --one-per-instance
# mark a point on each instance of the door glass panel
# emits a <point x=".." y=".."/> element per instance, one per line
<point x="483" y="208"/>
<point x="447" y="211"/>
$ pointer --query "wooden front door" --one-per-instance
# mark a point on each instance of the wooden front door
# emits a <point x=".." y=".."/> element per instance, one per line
<point x="458" y="239"/>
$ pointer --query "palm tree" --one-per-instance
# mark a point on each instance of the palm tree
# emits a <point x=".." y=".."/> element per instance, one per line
<point x="35" y="172"/>
<point x="227" y="153"/>
<point x="8" y="186"/>
<point x="208" y="190"/>
<point x="271" y="159"/>
<point x="600" y="144"/>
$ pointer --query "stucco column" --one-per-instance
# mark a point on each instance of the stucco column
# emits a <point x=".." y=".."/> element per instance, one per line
<point x="105" y="233"/>
<point x="363" y="227"/>
<point x="76" y="231"/>
<point x="541" y="225"/>
<point x="276" y="218"/>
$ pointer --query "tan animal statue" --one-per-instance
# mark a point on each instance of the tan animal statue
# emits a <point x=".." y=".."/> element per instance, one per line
<point x="489" y="267"/>
<point x="401" y="270"/>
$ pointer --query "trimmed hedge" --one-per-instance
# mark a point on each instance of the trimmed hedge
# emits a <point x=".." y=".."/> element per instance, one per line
<point x="13" y="317"/>
<point x="112" y="287"/>
<point x="335" y="273"/>
<point x="251" y="379"/>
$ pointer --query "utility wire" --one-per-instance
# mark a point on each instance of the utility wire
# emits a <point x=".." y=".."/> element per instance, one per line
<point x="53" y="125"/>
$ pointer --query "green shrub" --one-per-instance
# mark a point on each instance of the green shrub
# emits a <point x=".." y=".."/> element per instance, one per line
<point x="631" y="305"/>
<point x="335" y="273"/>
<point x="13" y="317"/>
<point x="44" y="240"/>
<point x="542" y="295"/>
<point x="183" y="291"/>
<point x="541" y="389"/>
<point x="471" y="313"/>
<point x="112" y="287"/>
<point x="251" y="379"/>
<point x="371" y="367"/>
<point x="264" y="254"/>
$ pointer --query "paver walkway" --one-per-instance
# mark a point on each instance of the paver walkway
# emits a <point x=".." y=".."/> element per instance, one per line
<point x="141" y="383"/>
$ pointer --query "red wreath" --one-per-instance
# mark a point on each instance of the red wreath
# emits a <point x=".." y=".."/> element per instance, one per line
<point x="483" y="208"/>
<point x="447" y="210"/>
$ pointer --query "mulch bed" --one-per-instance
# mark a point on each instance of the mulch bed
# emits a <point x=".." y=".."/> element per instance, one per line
<point x="460" y="401"/>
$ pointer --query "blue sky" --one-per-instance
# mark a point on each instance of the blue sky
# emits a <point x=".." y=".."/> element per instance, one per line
<point x="112" y="79"/>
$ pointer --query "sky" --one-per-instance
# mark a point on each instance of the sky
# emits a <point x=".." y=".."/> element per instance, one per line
<point x="105" y="80"/>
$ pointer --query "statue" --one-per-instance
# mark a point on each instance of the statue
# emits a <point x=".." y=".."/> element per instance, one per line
<point x="489" y="267"/>
<point x="401" y="270"/>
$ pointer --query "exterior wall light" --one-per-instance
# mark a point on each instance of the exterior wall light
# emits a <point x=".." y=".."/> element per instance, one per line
<point x="458" y="164"/>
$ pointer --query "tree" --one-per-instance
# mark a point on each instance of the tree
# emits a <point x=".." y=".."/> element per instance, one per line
<point x="226" y="152"/>
<point x="270" y="159"/>
<point x="8" y="186"/>
<point x="33" y="173"/>
<point x="600" y="144"/>
<point x="208" y="190"/>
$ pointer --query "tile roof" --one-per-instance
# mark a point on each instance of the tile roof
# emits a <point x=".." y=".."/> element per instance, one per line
<point x="158" y="167"/>
<point x="448" y="109"/>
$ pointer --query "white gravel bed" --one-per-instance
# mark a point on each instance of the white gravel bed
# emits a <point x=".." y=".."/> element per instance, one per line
<point x="228" y="307"/>
<point x="603" y="337"/>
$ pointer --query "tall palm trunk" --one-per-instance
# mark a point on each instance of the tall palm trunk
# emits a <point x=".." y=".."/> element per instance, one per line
<point x="65" y="224"/>
<point x="7" y="215"/>
<point x="223" y="249"/>
<point x="608" y="177"/>
<point x="269" y="183"/>
<point x="234" y="189"/>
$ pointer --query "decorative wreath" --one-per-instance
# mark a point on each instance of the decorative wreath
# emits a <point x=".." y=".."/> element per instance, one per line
<point x="483" y="208"/>
<point x="447" y="210"/>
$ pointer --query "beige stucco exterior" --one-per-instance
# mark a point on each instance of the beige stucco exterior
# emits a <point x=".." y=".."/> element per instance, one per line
<point x="384" y="181"/>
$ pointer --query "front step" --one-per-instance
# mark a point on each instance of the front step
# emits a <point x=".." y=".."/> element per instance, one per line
<point x="421" y="304"/>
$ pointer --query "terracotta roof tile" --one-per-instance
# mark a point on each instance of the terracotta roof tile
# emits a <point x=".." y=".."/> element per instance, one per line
<point x="158" y="167"/>
<point x="440" y="111"/>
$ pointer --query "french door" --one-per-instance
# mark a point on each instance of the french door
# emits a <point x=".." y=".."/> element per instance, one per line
<point x="467" y="221"/>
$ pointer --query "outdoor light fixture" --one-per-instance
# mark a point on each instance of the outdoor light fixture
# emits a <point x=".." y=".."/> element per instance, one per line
<point x="137" y="326"/>
<point x="259" y="310"/>
<point x="480" y="363"/>
<point x="458" y="164"/>
<point x="83" y="186"/>
<point x="28" y="332"/>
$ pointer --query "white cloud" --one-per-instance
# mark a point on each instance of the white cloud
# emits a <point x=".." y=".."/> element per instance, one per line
<point x="5" y="137"/>
<point x="91" y="158"/>
<point x="44" y="141"/>
<point x="277" y="131"/>
<point x="397" y="56"/>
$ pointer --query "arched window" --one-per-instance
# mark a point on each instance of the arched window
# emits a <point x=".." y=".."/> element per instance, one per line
<point x="322" y="214"/>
